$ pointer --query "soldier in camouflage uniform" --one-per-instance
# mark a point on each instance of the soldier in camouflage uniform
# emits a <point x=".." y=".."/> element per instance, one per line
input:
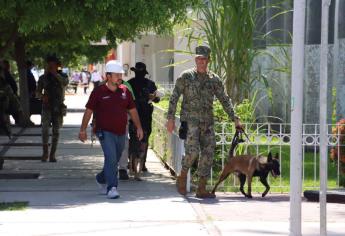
<point x="9" y="105"/>
<point x="198" y="87"/>
<point x="51" y="89"/>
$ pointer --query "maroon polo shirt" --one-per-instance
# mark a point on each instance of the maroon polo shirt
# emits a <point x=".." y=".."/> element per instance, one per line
<point x="110" y="108"/>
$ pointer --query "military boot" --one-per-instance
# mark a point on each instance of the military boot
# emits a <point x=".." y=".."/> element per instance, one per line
<point x="181" y="182"/>
<point x="45" y="153"/>
<point x="52" y="151"/>
<point x="201" y="192"/>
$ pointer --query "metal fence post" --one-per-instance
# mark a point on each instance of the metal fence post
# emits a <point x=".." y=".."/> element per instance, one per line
<point x="323" y="115"/>
<point x="297" y="76"/>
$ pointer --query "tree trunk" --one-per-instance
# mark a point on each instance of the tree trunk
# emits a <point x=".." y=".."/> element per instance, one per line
<point x="20" y="57"/>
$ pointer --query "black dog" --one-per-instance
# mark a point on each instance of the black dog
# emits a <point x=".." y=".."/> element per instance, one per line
<point x="272" y="166"/>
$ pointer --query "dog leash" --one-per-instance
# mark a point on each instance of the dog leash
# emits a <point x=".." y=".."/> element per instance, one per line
<point x="241" y="131"/>
<point x="237" y="139"/>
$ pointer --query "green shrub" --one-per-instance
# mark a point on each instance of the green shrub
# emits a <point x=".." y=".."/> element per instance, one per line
<point x="13" y="206"/>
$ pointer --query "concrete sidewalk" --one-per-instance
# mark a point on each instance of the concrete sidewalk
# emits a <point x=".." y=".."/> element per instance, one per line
<point x="64" y="199"/>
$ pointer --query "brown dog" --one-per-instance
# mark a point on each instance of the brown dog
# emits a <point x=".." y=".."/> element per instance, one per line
<point x="250" y="166"/>
<point x="137" y="150"/>
<point x="136" y="163"/>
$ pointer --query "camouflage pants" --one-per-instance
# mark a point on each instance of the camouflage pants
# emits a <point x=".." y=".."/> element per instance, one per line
<point x="48" y="118"/>
<point x="200" y="140"/>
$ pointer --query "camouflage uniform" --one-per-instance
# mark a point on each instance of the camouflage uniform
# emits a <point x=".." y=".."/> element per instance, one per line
<point x="198" y="92"/>
<point x="52" y="86"/>
<point x="9" y="104"/>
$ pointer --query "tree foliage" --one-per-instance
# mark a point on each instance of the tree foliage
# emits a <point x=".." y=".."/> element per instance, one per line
<point x="235" y="31"/>
<point x="73" y="24"/>
<point x="66" y="27"/>
<point x="228" y="27"/>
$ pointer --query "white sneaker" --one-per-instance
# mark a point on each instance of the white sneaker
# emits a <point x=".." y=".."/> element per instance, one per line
<point x="102" y="188"/>
<point x="112" y="194"/>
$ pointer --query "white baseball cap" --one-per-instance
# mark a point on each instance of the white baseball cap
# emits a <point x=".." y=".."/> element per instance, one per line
<point x="114" y="66"/>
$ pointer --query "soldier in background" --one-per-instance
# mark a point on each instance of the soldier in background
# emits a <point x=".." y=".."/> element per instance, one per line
<point x="51" y="89"/>
<point x="198" y="86"/>
<point x="8" y="76"/>
<point x="9" y="105"/>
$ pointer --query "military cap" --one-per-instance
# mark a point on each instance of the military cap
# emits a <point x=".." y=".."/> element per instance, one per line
<point x="202" y="51"/>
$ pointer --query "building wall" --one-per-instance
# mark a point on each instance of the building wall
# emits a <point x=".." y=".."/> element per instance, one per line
<point x="311" y="110"/>
<point x="124" y="55"/>
<point x="183" y="61"/>
<point x="312" y="62"/>
<point x="149" y="50"/>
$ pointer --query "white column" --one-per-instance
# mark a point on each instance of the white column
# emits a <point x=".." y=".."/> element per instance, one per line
<point x="297" y="77"/>
<point x="133" y="54"/>
<point x="119" y="53"/>
<point x="153" y="75"/>
<point x="323" y="115"/>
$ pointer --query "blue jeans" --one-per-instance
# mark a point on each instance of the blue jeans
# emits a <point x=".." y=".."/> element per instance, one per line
<point x="112" y="146"/>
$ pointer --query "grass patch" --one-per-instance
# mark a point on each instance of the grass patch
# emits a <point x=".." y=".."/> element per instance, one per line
<point x="13" y="206"/>
<point x="163" y="103"/>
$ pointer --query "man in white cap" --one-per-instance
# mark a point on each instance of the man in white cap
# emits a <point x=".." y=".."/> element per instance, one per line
<point x="110" y="103"/>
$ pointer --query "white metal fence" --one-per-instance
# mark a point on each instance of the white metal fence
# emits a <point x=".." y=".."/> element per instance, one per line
<point x="263" y="137"/>
<point x="167" y="87"/>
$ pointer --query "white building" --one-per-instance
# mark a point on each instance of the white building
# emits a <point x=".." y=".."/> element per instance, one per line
<point x="157" y="53"/>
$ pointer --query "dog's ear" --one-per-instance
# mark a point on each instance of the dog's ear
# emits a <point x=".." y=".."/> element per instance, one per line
<point x="269" y="157"/>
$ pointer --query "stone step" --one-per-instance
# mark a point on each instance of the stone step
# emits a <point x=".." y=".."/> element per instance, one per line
<point x="334" y="196"/>
<point x="22" y="144"/>
<point x="21" y="158"/>
<point x="19" y="175"/>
